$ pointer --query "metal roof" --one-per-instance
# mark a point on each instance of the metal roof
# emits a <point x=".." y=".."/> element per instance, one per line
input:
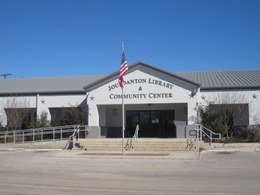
<point x="243" y="79"/>
<point x="72" y="84"/>
<point x="208" y="81"/>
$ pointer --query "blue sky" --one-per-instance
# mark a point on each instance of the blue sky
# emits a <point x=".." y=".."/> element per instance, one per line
<point x="53" y="38"/>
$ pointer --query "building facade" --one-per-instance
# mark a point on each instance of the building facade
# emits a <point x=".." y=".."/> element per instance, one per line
<point x="155" y="99"/>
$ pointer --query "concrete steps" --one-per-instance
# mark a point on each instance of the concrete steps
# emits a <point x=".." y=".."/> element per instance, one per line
<point x="147" y="145"/>
<point x="141" y="145"/>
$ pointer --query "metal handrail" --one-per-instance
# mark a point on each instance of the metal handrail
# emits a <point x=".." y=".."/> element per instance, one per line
<point x="135" y="137"/>
<point x="129" y="142"/>
<point x="40" y="134"/>
<point x="202" y="130"/>
<point x="73" y="139"/>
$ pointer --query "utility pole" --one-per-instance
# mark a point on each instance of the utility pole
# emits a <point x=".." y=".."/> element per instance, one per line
<point x="5" y="75"/>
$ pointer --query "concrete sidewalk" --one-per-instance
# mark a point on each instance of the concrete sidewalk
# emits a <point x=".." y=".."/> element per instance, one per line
<point x="189" y="155"/>
<point x="231" y="146"/>
<point x="182" y="155"/>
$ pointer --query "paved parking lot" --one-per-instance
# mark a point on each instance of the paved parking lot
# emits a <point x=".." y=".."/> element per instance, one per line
<point x="70" y="172"/>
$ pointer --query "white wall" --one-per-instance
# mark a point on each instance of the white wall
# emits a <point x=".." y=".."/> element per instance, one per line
<point x="48" y="101"/>
<point x="250" y="97"/>
<point x="42" y="103"/>
<point x="114" y="116"/>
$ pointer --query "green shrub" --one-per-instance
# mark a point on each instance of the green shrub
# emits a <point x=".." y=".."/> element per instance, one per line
<point x="41" y="121"/>
<point x="243" y="134"/>
<point x="248" y="134"/>
<point x="2" y="128"/>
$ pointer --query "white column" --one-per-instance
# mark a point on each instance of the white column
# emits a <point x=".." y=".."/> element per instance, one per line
<point x="37" y="105"/>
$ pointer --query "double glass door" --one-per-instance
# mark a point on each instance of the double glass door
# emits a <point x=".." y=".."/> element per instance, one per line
<point x="152" y="123"/>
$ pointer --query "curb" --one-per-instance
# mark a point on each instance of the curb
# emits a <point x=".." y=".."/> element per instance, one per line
<point x="221" y="150"/>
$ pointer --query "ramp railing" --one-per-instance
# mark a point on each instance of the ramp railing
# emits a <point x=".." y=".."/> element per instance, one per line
<point x="42" y="134"/>
<point x="203" y="132"/>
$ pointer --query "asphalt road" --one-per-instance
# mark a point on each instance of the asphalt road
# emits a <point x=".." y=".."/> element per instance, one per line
<point x="69" y="172"/>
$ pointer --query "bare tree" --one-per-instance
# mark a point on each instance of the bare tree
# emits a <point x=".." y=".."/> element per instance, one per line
<point x="68" y="115"/>
<point x="224" y="113"/>
<point x="18" y="113"/>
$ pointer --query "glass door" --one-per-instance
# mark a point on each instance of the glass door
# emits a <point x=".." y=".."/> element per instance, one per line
<point x="152" y="123"/>
<point x="169" y="129"/>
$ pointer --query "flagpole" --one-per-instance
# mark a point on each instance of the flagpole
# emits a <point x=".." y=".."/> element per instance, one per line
<point x="123" y="122"/>
<point x="122" y="72"/>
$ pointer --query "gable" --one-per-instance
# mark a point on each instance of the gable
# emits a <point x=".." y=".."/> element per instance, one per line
<point x="143" y="84"/>
<point x="137" y="66"/>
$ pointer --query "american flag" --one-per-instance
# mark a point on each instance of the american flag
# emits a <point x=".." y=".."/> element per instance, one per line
<point x="123" y="69"/>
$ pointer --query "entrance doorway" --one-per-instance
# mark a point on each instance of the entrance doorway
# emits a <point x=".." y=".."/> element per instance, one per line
<point x="152" y="123"/>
